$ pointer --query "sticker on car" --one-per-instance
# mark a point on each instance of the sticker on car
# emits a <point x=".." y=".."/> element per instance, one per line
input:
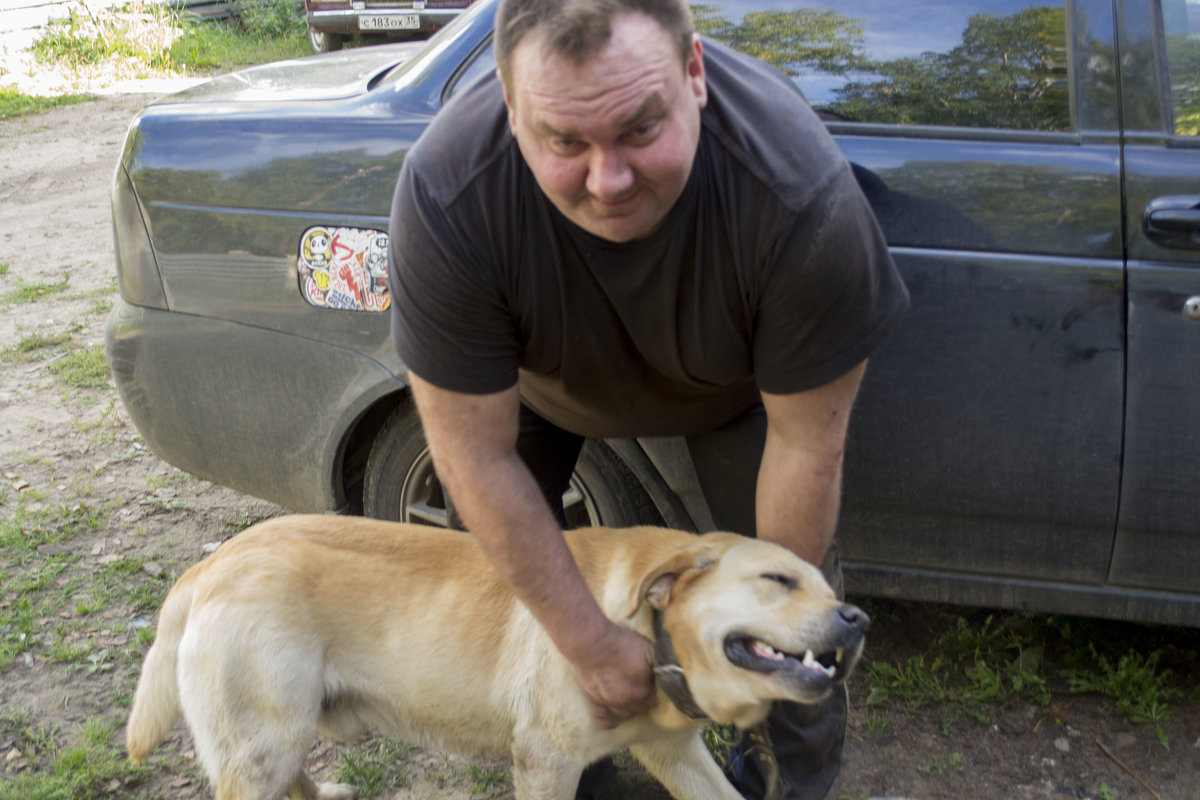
<point x="344" y="268"/>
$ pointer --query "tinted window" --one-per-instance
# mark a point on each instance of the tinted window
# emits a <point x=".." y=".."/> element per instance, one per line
<point x="970" y="63"/>
<point x="1181" y="21"/>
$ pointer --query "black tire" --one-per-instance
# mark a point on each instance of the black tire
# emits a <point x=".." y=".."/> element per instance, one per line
<point x="325" y="41"/>
<point x="401" y="485"/>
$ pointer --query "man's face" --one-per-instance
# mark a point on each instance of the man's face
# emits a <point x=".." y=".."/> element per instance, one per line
<point x="611" y="141"/>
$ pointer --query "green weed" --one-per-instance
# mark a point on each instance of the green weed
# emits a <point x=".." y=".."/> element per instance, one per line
<point x="15" y="104"/>
<point x="85" y="771"/>
<point x="1141" y="690"/>
<point x="138" y="36"/>
<point x="83" y="369"/>
<point x="965" y="670"/>
<point x="375" y="767"/>
<point x="487" y="780"/>
<point x="32" y="292"/>
<point x="31" y="346"/>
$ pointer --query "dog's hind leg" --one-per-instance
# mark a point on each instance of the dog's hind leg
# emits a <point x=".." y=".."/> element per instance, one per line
<point x="685" y="767"/>
<point x="543" y="772"/>
<point x="251" y="694"/>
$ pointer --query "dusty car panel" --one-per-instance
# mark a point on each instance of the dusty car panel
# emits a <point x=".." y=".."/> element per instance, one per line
<point x="1026" y="440"/>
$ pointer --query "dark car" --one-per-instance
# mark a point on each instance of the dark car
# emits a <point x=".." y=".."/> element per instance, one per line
<point x="1028" y="439"/>
<point x="332" y="22"/>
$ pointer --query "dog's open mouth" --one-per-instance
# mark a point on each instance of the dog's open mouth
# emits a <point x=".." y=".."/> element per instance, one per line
<point x="754" y="654"/>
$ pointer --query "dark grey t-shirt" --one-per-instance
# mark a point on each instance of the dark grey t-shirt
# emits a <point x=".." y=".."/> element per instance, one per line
<point x="769" y="273"/>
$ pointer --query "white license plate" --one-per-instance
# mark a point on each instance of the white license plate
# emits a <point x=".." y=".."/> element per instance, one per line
<point x="400" y="22"/>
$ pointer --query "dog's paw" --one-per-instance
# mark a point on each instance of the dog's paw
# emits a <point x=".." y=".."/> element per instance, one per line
<point x="336" y="791"/>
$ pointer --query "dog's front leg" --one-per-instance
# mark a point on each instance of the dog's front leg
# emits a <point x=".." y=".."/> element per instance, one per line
<point x="685" y="767"/>
<point x="543" y="772"/>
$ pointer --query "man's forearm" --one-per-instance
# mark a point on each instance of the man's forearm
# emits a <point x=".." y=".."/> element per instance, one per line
<point x="800" y="479"/>
<point x="798" y="498"/>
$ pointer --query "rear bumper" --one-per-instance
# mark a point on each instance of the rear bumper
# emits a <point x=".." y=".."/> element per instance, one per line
<point x="348" y="21"/>
<point x="263" y="412"/>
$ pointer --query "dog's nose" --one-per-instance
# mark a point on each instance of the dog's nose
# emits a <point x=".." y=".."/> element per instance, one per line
<point x="854" y="617"/>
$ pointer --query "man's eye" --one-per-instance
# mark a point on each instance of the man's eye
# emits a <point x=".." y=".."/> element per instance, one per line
<point x="642" y="132"/>
<point x="566" y="146"/>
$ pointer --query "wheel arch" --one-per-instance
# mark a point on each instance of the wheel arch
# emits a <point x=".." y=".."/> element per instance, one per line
<point x="349" y="467"/>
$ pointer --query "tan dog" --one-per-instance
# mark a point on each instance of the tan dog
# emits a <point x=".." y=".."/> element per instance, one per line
<point x="338" y="625"/>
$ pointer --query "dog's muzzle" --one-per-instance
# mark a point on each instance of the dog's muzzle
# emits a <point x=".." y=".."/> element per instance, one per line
<point x="828" y="661"/>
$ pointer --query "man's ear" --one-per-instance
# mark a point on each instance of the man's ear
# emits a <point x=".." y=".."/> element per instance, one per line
<point x="508" y="104"/>
<point x="695" y="72"/>
<point x="658" y="586"/>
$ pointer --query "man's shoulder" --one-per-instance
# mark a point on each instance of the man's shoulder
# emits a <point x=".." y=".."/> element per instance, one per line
<point x="762" y="121"/>
<point x="467" y="138"/>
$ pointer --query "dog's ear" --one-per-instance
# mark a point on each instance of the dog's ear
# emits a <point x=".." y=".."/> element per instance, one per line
<point x="659" y="584"/>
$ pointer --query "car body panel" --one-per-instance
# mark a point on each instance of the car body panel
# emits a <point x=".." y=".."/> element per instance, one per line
<point x="308" y="394"/>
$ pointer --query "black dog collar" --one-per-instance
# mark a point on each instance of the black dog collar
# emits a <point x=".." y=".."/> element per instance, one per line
<point x="669" y="673"/>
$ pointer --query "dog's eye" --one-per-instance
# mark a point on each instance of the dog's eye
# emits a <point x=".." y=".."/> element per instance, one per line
<point x="786" y="580"/>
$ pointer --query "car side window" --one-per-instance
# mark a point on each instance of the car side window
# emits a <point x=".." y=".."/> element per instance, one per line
<point x="969" y="63"/>
<point x="1181" y="24"/>
<point x="481" y="63"/>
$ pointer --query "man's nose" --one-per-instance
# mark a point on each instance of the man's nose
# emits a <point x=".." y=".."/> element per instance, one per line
<point x="609" y="174"/>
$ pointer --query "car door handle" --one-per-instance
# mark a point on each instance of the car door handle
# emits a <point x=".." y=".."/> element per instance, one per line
<point x="1173" y="221"/>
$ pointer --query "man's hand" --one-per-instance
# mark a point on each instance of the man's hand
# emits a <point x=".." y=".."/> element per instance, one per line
<point x="618" y="680"/>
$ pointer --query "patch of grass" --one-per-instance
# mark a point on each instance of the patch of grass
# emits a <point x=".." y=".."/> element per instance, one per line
<point x="487" y="780"/>
<point x="938" y="767"/>
<point x="82" y="369"/>
<point x="31" y="346"/>
<point x="84" y="771"/>
<point x="145" y="39"/>
<point x="22" y="533"/>
<point x="138" y="35"/>
<point x="215" y="47"/>
<point x="1141" y="690"/>
<point x="375" y="767"/>
<point x="32" y="292"/>
<point x="16" y="104"/>
<point x="965" y="670"/>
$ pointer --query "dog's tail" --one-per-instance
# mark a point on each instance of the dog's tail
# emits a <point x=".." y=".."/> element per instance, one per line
<point x="156" y="706"/>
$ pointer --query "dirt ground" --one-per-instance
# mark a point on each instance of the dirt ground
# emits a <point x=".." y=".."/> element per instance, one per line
<point x="64" y="452"/>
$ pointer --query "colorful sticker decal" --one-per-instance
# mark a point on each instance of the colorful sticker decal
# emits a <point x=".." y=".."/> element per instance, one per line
<point x="344" y="268"/>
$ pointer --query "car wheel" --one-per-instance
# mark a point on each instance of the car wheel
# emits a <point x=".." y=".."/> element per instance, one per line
<point x="400" y="483"/>
<point x="325" y="41"/>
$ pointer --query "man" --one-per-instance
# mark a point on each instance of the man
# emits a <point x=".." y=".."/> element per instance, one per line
<point x="631" y="233"/>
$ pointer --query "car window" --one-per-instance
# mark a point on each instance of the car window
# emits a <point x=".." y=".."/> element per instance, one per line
<point x="965" y="63"/>
<point x="481" y="63"/>
<point x="1181" y="23"/>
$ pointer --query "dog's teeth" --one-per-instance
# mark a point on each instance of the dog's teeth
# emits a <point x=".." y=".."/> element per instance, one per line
<point x="809" y="659"/>
<point x="840" y="654"/>
<point x="765" y="650"/>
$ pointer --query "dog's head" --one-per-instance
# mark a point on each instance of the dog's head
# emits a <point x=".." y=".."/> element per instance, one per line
<point x="750" y="623"/>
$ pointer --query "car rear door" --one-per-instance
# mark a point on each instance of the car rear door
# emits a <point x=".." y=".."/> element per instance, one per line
<point x="1158" y="539"/>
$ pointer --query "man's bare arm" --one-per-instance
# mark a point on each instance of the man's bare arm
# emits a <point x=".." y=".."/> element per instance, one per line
<point x="800" y="479"/>
<point x="472" y="439"/>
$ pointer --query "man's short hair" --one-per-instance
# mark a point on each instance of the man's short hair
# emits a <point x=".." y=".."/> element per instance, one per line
<point x="577" y="29"/>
